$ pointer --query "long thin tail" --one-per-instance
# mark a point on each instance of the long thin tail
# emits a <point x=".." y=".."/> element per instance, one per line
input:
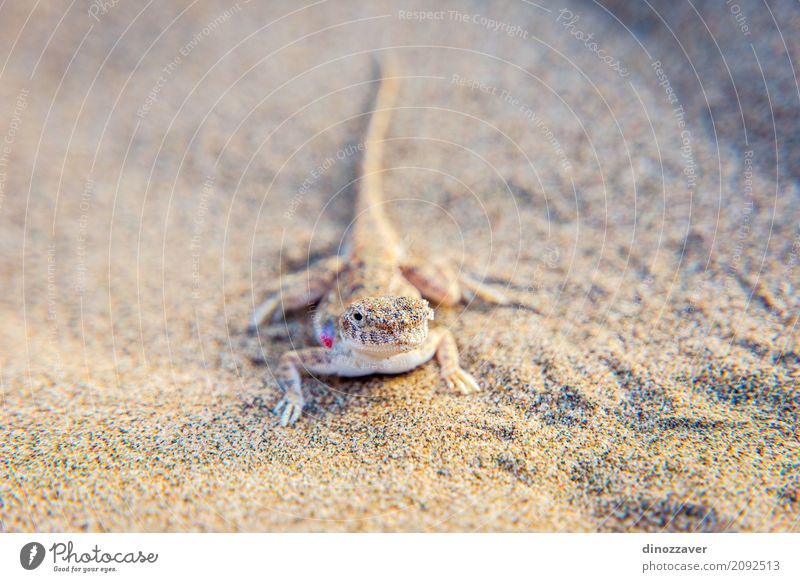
<point x="370" y="192"/>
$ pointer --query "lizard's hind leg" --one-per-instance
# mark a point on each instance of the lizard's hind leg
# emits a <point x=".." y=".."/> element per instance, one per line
<point x="441" y="286"/>
<point x="298" y="290"/>
<point x="436" y="282"/>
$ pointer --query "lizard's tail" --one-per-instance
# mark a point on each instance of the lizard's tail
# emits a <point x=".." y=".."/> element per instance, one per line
<point x="370" y="193"/>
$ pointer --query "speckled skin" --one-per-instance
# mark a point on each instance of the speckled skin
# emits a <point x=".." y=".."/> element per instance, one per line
<point x="371" y="316"/>
<point x="653" y="391"/>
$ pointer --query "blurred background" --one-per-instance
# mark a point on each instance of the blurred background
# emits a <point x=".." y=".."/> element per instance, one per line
<point x="630" y="168"/>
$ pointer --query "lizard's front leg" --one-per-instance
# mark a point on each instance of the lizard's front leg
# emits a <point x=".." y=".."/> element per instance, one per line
<point x="447" y="356"/>
<point x="298" y="290"/>
<point x="290" y="367"/>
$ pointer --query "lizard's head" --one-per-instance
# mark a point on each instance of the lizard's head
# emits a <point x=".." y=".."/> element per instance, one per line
<point x="385" y="324"/>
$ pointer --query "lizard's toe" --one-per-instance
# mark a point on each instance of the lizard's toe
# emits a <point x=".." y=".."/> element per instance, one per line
<point x="469" y="381"/>
<point x="289" y="411"/>
<point x="463" y="381"/>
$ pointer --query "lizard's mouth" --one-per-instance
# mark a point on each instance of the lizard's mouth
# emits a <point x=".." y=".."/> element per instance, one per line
<point x="404" y="344"/>
<point x="382" y="344"/>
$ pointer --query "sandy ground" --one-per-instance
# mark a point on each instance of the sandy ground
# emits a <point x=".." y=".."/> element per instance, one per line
<point x="161" y="166"/>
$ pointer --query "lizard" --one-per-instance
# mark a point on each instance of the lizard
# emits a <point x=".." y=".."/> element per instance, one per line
<point x="374" y="305"/>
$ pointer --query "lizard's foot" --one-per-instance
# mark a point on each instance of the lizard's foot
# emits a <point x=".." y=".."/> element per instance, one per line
<point x="463" y="381"/>
<point x="494" y="294"/>
<point x="289" y="408"/>
<point x="310" y="360"/>
<point x="262" y="313"/>
<point x="447" y="354"/>
<point x="472" y="288"/>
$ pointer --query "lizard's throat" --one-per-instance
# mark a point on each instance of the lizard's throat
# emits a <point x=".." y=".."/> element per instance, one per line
<point x="380" y="350"/>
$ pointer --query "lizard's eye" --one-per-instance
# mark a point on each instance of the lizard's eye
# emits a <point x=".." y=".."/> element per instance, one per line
<point x="357" y="316"/>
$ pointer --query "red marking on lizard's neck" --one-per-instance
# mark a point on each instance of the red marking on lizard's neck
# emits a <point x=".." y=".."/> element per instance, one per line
<point x="327" y="340"/>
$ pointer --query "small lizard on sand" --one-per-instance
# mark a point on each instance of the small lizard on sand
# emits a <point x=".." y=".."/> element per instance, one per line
<point x="372" y="318"/>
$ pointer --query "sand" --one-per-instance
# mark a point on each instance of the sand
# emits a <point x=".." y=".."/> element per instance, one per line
<point x="164" y="165"/>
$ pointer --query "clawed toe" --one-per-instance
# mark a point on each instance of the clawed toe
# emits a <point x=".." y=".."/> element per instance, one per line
<point x="289" y="411"/>
<point x="463" y="382"/>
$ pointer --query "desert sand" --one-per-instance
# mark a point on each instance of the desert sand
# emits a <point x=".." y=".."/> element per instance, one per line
<point x="163" y="165"/>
